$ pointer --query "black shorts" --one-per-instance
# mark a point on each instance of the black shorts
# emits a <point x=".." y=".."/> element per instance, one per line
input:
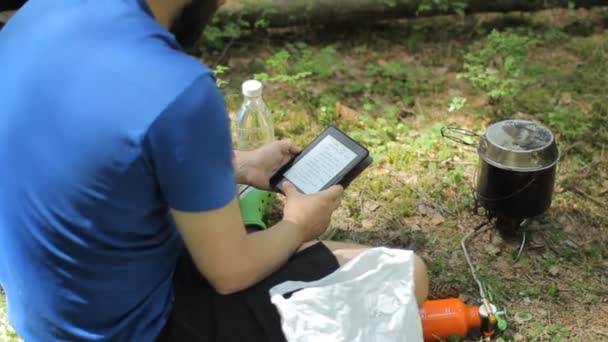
<point x="202" y="315"/>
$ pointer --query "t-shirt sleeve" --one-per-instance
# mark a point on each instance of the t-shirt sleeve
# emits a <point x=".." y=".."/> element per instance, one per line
<point x="191" y="151"/>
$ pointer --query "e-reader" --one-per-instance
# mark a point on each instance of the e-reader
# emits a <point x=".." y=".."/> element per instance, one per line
<point x="331" y="158"/>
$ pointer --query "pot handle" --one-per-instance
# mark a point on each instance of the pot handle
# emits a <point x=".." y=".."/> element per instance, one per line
<point x="449" y="132"/>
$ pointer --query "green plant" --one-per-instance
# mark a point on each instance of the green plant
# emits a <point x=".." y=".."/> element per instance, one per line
<point x="392" y="79"/>
<point x="219" y="33"/>
<point x="571" y="123"/>
<point x="382" y="136"/>
<point x="217" y="71"/>
<point x="444" y="6"/>
<point x="498" y="67"/>
<point x="457" y="104"/>
<point x="327" y="110"/>
<point x="279" y="70"/>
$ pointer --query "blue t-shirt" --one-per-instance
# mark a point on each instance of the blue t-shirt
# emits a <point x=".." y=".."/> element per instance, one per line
<point x="105" y="124"/>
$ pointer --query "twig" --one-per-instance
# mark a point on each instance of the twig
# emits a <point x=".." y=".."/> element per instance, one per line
<point x="548" y="243"/>
<point x="586" y="196"/>
<point x="224" y="52"/>
<point x="528" y="276"/>
<point x="567" y="149"/>
<point x="404" y="110"/>
<point x="600" y="332"/>
<point x="435" y="204"/>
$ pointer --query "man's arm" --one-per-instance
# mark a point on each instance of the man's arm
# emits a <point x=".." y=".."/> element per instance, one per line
<point x="189" y="149"/>
<point x="233" y="260"/>
<point x="226" y="255"/>
<point x="240" y="166"/>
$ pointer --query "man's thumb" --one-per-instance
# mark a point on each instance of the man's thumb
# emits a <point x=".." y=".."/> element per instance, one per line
<point x="288" y="188"/>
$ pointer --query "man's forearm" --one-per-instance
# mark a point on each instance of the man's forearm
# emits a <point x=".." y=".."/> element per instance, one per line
<point x="272" y="247"/>
<point x="239" y="162"/>
<point x="263" y="253"/>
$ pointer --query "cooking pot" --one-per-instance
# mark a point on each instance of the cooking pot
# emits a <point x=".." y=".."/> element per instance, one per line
<point x="517" y="165"/>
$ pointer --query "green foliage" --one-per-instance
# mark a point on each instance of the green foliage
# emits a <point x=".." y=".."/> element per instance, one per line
<point x="390" y="3"/>
<point x="443" y="6"/>
<point x="392" y="79"/>
<point x="217" y="71"/>
<point x="570" y="122"/>
<point x="382" y="136"/>
<point x="294" y="64"/>
<point x="498" y="67"/>
<point x="457" y="104"/>
<point x="219" y="33"/>
<point x="327" y="111"/>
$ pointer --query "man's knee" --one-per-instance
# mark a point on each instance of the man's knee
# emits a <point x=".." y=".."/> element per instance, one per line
<point x="421" y="280"/>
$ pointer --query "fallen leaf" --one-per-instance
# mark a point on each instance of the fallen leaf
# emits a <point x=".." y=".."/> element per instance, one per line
<point x="437" y="219"/>
<point x="523" y="317"/>
<point x="368" y="224"/>
<point x="371" y="206"/>
<point x="425" y="210"/>
<point x="346" y="112"/>
<point x="554" y="270"/>
<point x="492" y="249"/>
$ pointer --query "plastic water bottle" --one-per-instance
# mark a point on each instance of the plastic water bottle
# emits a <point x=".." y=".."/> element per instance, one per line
<point x="254" y="126"/>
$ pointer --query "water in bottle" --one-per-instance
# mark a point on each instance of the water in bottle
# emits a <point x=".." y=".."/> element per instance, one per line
<point x="254" y="128"/>
<point x="254" y="125"/>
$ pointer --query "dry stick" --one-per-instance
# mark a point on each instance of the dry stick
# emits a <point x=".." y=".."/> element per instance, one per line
<point x="224" y="51"/>
<point x="600" y="332"/>
<point x="435" y="204"/>
<point x="548" y="243"/>
<point x="583" y="194"/>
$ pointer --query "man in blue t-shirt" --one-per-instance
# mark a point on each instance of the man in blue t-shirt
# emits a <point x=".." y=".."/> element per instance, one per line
<point x="115" y="154"/>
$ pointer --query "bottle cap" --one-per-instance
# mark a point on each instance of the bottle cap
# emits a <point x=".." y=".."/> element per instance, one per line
<point x="252" y="88"/>
<point x="484" y="313"/>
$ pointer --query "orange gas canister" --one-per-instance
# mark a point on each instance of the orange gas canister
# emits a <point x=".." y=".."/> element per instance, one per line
<point x="448" y="317"/>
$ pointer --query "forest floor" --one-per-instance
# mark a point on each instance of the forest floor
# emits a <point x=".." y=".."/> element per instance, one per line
<point x="394" y="85"/>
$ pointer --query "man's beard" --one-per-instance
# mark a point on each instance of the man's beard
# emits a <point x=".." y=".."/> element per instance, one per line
<point x="190" y="24"/>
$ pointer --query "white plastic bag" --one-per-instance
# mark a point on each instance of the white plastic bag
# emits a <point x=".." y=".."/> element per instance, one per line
<point x="369" y="299"/>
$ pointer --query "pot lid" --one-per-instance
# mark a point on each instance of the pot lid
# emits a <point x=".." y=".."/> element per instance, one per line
<point x="519" y="145"/>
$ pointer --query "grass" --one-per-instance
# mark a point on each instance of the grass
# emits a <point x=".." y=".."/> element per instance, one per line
<point x="393" y="86"/>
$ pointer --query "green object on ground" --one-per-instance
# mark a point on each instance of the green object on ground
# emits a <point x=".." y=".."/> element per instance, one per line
<point x="502" y="323"/>
<point x="254" y="206"/>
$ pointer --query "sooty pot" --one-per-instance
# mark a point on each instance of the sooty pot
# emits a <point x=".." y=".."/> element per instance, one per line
<point x="517" y="166"/>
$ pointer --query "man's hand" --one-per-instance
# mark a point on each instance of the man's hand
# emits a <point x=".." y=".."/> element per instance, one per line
<point x="310" y="213"/>
<point x="256" y="167"/>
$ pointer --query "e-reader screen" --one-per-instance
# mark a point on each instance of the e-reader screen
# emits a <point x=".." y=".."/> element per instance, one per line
<point x="319" y="166"/>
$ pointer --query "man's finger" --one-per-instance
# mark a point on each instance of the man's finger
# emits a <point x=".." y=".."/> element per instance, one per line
<point x="334" y="192"/>
<point x="288" y="146"/>
<point x="288" y="189"/>
<point x="293" y="149"/>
